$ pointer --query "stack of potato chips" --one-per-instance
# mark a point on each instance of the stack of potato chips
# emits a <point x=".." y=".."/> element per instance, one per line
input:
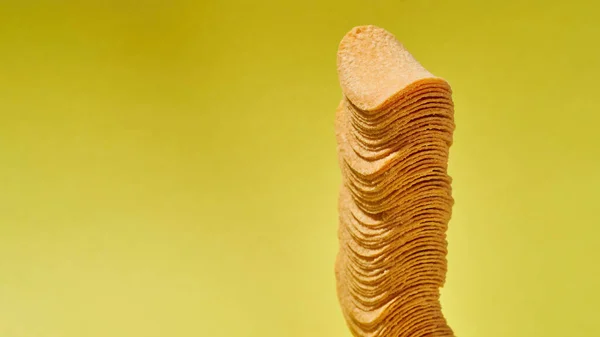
<point x="394" y="129"/>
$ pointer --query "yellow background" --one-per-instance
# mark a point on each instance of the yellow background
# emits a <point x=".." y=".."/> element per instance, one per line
<point x="169" y="168"/>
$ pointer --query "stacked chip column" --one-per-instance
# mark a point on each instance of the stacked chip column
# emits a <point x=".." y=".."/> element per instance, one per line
<point x="394" y="206"/>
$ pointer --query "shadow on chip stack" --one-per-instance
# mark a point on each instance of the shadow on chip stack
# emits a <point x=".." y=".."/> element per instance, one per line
<point x="394" y="128"/>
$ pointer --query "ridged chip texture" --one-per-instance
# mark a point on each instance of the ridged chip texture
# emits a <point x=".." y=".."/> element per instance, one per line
<point x="394" y="128"/>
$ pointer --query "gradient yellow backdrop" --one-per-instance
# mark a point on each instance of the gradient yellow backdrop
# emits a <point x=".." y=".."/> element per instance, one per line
<point x="168" y="168"/>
